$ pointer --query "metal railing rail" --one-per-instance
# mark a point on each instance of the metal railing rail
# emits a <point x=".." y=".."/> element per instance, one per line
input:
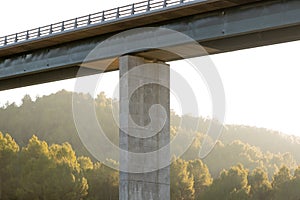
<point x="92" y="19"/>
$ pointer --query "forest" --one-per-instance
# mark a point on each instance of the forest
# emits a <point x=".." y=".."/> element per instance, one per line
<point x="42" y="157"/>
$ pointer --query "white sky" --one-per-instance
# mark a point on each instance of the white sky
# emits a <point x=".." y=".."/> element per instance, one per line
<point x="261" y="84"/>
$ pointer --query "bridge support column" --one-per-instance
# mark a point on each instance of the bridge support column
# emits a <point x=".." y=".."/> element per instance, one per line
<point x="153" y="185"/>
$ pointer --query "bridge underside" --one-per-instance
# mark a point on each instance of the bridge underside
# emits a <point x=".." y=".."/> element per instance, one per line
<point x="240" y="27"/>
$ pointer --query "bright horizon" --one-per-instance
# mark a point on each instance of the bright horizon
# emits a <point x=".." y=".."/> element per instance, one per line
<point x="260" y="84"/>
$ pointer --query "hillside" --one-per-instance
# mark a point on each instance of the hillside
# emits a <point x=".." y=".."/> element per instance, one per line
<point x="50" y="119"/>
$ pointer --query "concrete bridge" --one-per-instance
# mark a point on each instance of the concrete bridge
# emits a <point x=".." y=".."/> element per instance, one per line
<point x="56" y="51"/>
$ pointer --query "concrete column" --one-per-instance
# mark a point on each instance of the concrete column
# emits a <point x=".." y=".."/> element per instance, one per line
<point x="145" y="185"/>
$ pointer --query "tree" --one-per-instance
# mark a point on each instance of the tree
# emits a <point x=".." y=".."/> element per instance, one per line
<point x="297" y="173"/>
<point x="182" y="183"/>
<point x="8" y="160"/>
<point x="201" y="176"/>
<point x="281" y="177"/>
<point x="69" y="175"/>
<point x="231" y="184"/>
<point x="85" y="163"/>
<point x="286" y="186"/>
<point x="50" y="173"/>
<point x="260" y="186"/>
<point x="103" y="183"/>
<point x="35" y="169"/>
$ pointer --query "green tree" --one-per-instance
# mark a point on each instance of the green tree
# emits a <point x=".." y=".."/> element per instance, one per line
<point x="50" y="173"/>
<point x="285" y="185"/>
<point x="8" y="161"/>
<point x="260" y="186"/>
<point x="281" y="177"/>
<point x="231" y="184"/>
<point x="85" y="163"/>
<point x="35" y="162"/>
<point x="69" y="175"/>
<point x="201" y="176"/>
<point x="297" y="173"/>
<point x="182" y="183"/>
<point x="103" y="183"/>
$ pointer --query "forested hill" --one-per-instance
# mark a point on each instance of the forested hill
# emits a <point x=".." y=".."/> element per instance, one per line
<point x="50" y="119"/>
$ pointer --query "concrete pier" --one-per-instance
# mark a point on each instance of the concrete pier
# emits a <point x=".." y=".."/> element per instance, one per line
<point x="138" y="106"/>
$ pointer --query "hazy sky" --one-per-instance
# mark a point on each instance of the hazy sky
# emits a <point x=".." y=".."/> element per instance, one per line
<point x="261" y="84"/>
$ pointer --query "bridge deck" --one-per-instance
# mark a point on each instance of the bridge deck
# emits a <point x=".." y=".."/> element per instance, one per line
<point x="218" y="25"/>
<point x="109" y="21"/>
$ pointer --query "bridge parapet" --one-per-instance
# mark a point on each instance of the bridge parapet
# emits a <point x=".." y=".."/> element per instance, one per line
<point x="145" y="13"/>
<point x="105" y="16"/>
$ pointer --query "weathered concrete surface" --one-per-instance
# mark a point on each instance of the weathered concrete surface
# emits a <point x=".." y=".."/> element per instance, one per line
<point x="148" y="185"/>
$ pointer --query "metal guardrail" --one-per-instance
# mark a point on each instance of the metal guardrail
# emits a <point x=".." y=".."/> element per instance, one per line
<point x="88" y="20"/>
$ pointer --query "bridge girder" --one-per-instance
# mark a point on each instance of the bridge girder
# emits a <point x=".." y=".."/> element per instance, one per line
<point x="228" y="29"/>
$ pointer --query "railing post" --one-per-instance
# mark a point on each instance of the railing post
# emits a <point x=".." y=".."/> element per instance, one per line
<point x="89" y="20"/>
<point x="103" y="16"/>
<point x="118" y="13"/>
<point x="63" y="26"/>
<point x="132" y="9"/>
<point x="165" y="3"/>
<point x="39" y="32"/>
<point x="27" y="35"/>
<point x="148" y="6"/>
<point x="5" y="40"/>
<point x="50" y="31"/>
<point x="75" y="24"/>
<point x="16" y="37"/>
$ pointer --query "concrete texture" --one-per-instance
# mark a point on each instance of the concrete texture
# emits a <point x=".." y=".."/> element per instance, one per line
<point x="147" y="185"/>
